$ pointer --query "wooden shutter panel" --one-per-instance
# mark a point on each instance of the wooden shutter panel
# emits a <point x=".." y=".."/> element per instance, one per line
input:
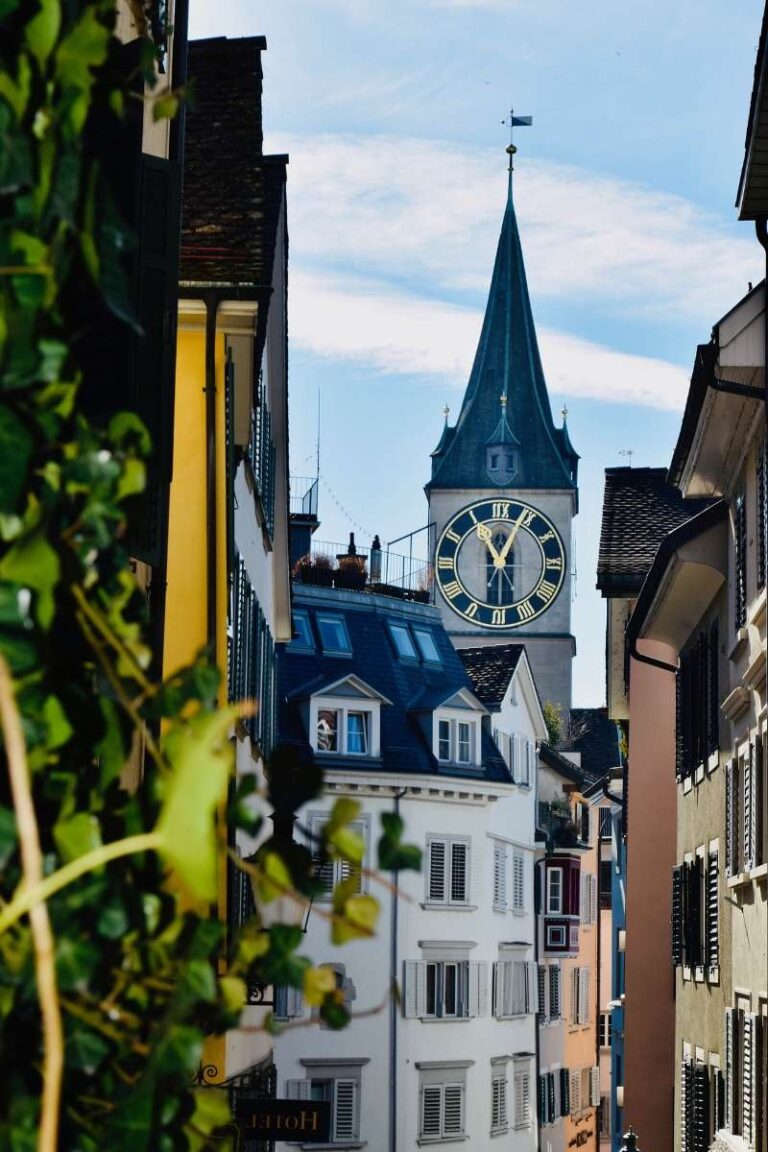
<point x="731" y="821"/>
<point x="522" y="1100"/>
<point x="712" y="911"/>
<point x="453" y="1121"/>
<point x="541" y="982"/>
<point x="718" y="1099"/>
<point x="694" y="913"/>
<point x="415" y="990"/>
<point x="551" y="1098"/>
<point x="437" y="861"/>
<point x="499" y="877"/>
<point x="583" y="995"/>
<point x="498" y="988"/>
<point x="748" y="1077"/>
<point x="542" y="1100"/>
<point x="345" y="1110"/>
<point x="574" y="1092"/>
<point x="533" y="1004"/>
<point x="593" y="899"/>
<point x="679" y="734"/>
<point x="595" y="1085"/>
<point x="677" y="916"/>
<point x="684" y="1145"/>
<point x="478" y="988"/>
<point x="298" y="1089"/>
<point x="459" y="873"/>
<point x="554" y="992"/>
<point x="518" y="874"/>
<point x="700" y="1108"/>
<point x="713" y="710"/>
<point x="748" y="811"/>
<point x="731" y="1057"/>
<point x="431" y="1110"/>
<point x="565" y="1092"/>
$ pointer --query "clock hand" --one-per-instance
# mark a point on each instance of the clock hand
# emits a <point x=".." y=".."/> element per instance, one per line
<point x="501" y="559"/>
<point x="484" y="533"/>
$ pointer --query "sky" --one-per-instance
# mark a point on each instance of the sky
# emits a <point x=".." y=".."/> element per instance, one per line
<point x="391" y="113"/>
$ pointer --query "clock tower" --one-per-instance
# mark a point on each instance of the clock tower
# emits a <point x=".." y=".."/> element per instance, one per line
<point x="503" y="491"/>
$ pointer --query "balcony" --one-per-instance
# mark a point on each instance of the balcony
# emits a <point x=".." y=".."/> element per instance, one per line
<point x="563" y="834"/>
<point x="359" y="569"/>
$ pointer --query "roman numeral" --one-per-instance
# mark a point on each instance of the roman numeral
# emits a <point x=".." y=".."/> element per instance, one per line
<point x="472" y="516"/>
<point x="446" y="562"/>
<point x="524" y="610"/>
<point x="500" y="511"/>
<point x="554" y="562"/>
<point x="451" y="535"/>
<point x="546" y="590"/>
<point x="452" y="590"/>
<point x="499" y="616"/>
<point x="527" y="518"/>
<point x="547" y="536"/>
<point x="471" y="610"/>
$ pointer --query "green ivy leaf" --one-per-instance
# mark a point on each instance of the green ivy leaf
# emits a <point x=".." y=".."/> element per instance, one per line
<point x="82" y="50"/>
<point x="356" y="913"/>
<point x="393" y="855"/>
<point x="85" y="1049"/>
<point x="165" y="106"/>
<point x="8" y="838"/>
<point x="201" y="758"/>
<point x="77" y="835"/>
<point x="17" y="94"/>
<point x="348" y="844"/>
<point x="59" y="727"/>
<point x="33" y="563"/>
<point x="42" y="30"/>
<point x="15" y="452"/>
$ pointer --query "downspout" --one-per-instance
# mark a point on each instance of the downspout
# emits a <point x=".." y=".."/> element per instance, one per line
<point x="393" y="962"/>
<point x="211" y="308"/>
<point x="636" y="654"/>
<point x="598" y="983"/>
<point x="536" y="922"/>
<point x="761" y="229"/>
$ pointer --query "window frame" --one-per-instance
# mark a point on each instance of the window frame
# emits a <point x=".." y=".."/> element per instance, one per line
<point x="333" y="618"/>
<point x="343" y="706"/>
<point x="454" y="718"/>
<point x="420" y="635"/>
<point x="305" y="643"/>
<point x="450" y="843"/>
<point x="551" y="872"/>
<point x="396" y="628"/>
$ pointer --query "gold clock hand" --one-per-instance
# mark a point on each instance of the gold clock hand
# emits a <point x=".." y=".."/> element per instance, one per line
<point x="501" y="560"/>
<point x="484" y="533"/>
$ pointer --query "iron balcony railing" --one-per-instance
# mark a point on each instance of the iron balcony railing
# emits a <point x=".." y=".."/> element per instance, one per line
<point x="303" y="496"/>
<point x="261" y="452"/>
<point x="384" y="569"/>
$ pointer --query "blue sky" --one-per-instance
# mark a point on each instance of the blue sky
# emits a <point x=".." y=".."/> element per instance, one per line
<point x="624" y="187"/>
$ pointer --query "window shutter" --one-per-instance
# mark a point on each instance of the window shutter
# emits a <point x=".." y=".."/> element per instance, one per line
<point x="298" y="1089"/>
<point x="595" y="1085"/>
<point x="679" y="724"/>
<point x="522" y="1100"/>
<point x="499" y="877"/>
<point x="459" y="870"/>
<point x="495" y="1103"/>
<point x="415" y="991"/>
<point x="584" y="899"/>
<point x="437" y="855"/>
<point x="583" y="995"/>
<point x="431" y="1110"/>
<point x="503" y="1119"/>
<point x="478" y="988"/>
<point x="748" y="1078"/>
<point x="294" y="1003"/>
<point x="593" y="899"/>
<point x="748" y="811"/>
<point x="695" y="927"/>
<point x="518" y="874"/>
<point x="345" y="1110"/>
<point x="700" y="1108"/>
<point x="731" y="821"/>
<point x="713" y="711"/>
<point x="498" y="988"/>
<point x="534" y="1002"/>
<point x="677" y="916"/>
<point x="542" y="1099"/>
<point x="453" y="1119"/>
<point x="574" y="996"/>
<point x="541" y="981"/>
<point x="565" y="1092"/>
<point x="514" y="759"/>
<point x="551" y="1098"/>
<point x="718" y="1099"/>
<point x="730" y="1056"/>
<point x="574" y="1094"/>
<point x="554" y="992"/>
<point x="712" y="934"/>
<point x="686" y="1106"/>
<point x="530" y="760"/>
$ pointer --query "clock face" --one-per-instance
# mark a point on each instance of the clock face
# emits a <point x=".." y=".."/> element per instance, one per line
<point x="500" y="563"/>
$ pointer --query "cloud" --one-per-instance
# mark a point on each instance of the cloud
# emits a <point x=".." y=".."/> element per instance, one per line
<point x="428" y="213"/>
<point x="395" y="332"/>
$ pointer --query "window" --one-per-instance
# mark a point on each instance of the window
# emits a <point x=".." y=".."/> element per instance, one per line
<point x="344" y="729"/>
<point x="442" y="1108"/>
<point x="606" y="879"/>
<point x="518" y="882"/>
<point x="746" y="1064"/>
<point x="515" y="988"/>
<point x="522" y="1083"/>
<point x="695" y="922"/>
<point x="500" y="878"/>
<point x="401" y="638"/>
<point x="588" y="903"/>
<point x="338" y="1083"/>
<point x="554" y="891"/>
<point x="606" y="823"/>
<point x="288" y="1002"/>
<point x="701" y="1098"/>
<point x="553" y="1098"/>
<point x="427" y="646"/>
<point x="330" y="872"/>
<point x="522" y="760"/>
<point x="605" y="1029"/>
<point x="302" y="632"/>
<point x="605" y="1118"/>
<point x="746" y="809"/>
<point x="447" y="870"/>
<point x="580" y="979"/>
<point x="333" y="635"/>
<point x="443" y="988"/>
<point x="740" y="560"/>
<point x="697" y="704"/>
<point x="499" y="1112"/>
<point x="456" y="740"/>
<point x="762" y="512"/>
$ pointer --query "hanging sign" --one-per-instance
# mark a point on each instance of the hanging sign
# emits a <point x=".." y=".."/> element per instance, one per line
<point x="304" y="1121"/>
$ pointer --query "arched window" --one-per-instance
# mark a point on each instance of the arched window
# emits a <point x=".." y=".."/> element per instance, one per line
<point x="500" y="582"/>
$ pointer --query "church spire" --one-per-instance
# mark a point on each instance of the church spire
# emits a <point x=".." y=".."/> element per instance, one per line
<point x="507" y="369"/>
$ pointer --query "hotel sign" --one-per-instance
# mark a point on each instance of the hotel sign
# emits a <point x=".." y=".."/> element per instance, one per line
<point x="305" y="1121"/>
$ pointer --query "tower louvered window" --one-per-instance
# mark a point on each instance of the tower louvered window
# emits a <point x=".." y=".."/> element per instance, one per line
<point x="740" y="560"/>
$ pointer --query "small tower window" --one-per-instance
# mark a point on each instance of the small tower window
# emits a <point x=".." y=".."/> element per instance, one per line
<point x="494" y="461"/>
<point x="502" y="463"/>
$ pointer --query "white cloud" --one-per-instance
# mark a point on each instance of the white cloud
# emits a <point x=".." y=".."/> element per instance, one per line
<point x="395" y="332"/>
<point x="426" y="212"/>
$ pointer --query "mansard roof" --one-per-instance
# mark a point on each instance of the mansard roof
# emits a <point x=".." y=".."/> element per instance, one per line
<point x="506" y="387"/>
<point x="412" y="689"/>
<point x="490" y="668"/>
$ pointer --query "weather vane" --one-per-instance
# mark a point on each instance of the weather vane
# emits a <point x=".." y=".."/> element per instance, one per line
<point x="515" y="122"/>
<point x="627" y="452"/>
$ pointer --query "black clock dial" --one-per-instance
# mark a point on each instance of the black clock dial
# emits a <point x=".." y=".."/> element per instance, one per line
<point x="500" y="563"/>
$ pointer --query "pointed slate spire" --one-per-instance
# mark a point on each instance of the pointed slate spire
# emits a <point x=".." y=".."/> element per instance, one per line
<point x="507" y="367"/>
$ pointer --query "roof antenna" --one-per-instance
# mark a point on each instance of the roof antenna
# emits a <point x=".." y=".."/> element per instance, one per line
<point x="317" y="450"/>
<point x="627" y="452"/>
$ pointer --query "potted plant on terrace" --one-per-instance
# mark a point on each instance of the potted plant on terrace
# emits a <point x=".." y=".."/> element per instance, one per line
<point x="314" y="569"/>
<point x="350" y="573"/>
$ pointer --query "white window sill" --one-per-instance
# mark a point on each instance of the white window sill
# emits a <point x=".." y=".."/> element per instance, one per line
<point x="713" y="763"/>
<point x="740" y="880"/>
<point x="433" y="906"/>
<point x="523" y="1127"/>
<point x="687" y="785"/>
<point x="499" y="908"/>
<point x="446" y="1019"/>
<point x="713" y="975"/>
<point x="698" y="975"/>
<point x="350" y="1144"/>
<point x="517" y="911"/>
<point x="760" y="872"/>
<point x="500" y="1131"/>
<point x="698" y="775"/>
<point x="423" y="1140"/>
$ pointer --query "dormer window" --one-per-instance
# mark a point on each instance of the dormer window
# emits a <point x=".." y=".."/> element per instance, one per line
<point x="502" y="463"/>
<point x="457" y="739"/>
<point x="344" y="731"/>
<point x="401" y="638"/>
<point x="344" y="719"/>
<point x="333" y="635"/>
<point x="427" y="646"/>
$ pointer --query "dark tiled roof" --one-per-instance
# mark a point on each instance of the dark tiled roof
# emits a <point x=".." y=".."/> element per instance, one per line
<point x="640" y="507"/>
<point x="507" y="363"/>
<point x="554" y="759"/>
<point x="232" y="193"/>
<point x="406" y="732"/>
<point x="490" y="669"/>
<point x="596" y="737"/>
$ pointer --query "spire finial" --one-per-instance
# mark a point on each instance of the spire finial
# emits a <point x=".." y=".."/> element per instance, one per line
<point x="446" y="413"/>
<point x="514" y="122"/>
<point x="564" y="413"/>
<point x="503" y="399"/>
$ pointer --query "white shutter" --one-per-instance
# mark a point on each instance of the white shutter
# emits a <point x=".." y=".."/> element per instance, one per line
<point x="437" y="855"/>
<point x="584" y="898"/>
<point x="518" y="882"/>
<point x="748" y="1085"/>
<point x="345" y="1110"/>
<point x="298" y="1089"/>
<point x="453" y="1112"/>
<point x="731" y="820"/>
<point x="499" y="877"/>
<point x="684" y="1134"/>
<point x="541" y="980"/>
<point x="554" y="992"/>
<point x="415" y="990"/>
<point x="748" y="810"/>
<point x="583" y="995"/>
<point x="522" y="1100"/>
<point x="459" y="873"/>
<point x="575" y="1092"/>
<point x="729" y="1077"/>
<point x="593" y="899"/>
<point x="478" y="988"/>
<point x="495" y="1103"/>
<point x="595" y="1085"/>
<point x="534" y="1004"/>
<point x="431" y="1110"/>
<point x="498" y="988"/>
<point x="575" y="996"/>
<point x="294" y="1004"/>
<point x="514" y="759"/>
